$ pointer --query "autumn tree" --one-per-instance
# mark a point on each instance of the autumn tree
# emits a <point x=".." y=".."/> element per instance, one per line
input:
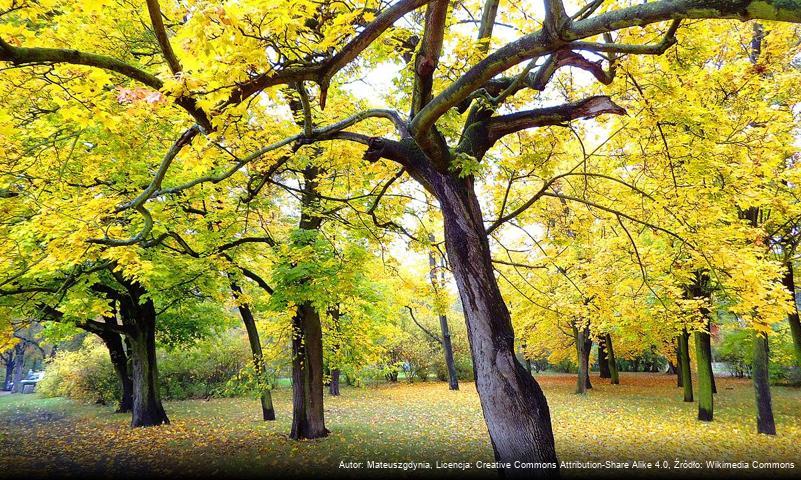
<point x="437" y="146"/>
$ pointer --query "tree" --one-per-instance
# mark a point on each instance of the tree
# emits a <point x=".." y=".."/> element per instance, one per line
<point x="430" y="148"/>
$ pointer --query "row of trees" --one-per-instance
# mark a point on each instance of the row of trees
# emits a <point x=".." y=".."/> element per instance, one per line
<point x="180" y="158"/>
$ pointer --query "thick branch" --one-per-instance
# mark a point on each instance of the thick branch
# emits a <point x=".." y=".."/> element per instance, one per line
<point x="154" y="10"/>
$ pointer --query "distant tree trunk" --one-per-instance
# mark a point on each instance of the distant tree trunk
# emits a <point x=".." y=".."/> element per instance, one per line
<point x="19" y="367"/>
<point x="308" y="420"/>
<point x="267" y="409"/>
<point x="684" y="359"/>
<point x="704" y="367"/>
<point x="583" y="347"/>
<point x="610" y="351"/>
<point x="447" y="347"/>
<point x="603" y="360"/>
<point x="333" y="389"/>
<point x="528" y="365"/>
<point x="795" y="324"/>
<point x="759" y="372"/>
<point x="147" y="408"/>
<point x="9" y="372"/>
<point x="119" y="359"/>
<point x="679" y="377"/>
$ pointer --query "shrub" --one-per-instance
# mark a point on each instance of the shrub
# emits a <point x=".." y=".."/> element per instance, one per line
<point x="85" y="374"/>
<point x="211" y="367"/>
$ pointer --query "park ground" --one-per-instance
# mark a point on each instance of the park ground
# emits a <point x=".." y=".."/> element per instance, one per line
<point x="643" y="419"/>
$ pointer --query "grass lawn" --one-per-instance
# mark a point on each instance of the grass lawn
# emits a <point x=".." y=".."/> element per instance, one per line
<point x="642" y="419"/>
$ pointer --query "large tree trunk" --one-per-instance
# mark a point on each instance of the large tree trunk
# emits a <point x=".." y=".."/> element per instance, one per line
<point x="603" y="360"/>
<point x="267" y="409"/>
<point x="610" y="351"/>
<point x="515" y="409"/>
<point x="704" y="367"/>
<point x="684" y="364"/>
<point x="308" y="420"/>
<point x="119" y="360"/>
<point x="792" y="318"/>
<point x="147" y="408"/>
<point x="759" y="372"/>
<point x="333" y="388"/>
<point x="583" y="347"/>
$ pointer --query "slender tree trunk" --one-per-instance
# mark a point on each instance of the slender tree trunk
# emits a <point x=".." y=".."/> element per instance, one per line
<point x="333" y="389"/>
<point x="583" y="347"/>
<point x="528" y="365"/>
<point x="610" y="351"/>
<point x="679" y="377"/>
<point x="19" y="366"/>
<point x="603" y="360"/>
<point x="515" y="409"/>
<point x="267" y="409"/>
<point x="684" y="359"/>
<point x="9" y="373"/>
<point x="147" y="408"/>
<point x="795" y="324"/>
<point x="119" y="359"/>
<point x="308" y="420"/>
<point x="447" y="347"/>
<point x="759" y="372"/>
<point x="704" y="366"/>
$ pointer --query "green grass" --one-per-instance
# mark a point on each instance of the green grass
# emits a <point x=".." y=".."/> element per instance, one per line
<point x="642" y="419"/>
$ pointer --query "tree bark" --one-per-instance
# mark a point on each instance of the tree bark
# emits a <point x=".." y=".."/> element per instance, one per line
<point x="333" y="388"/>
<point x="610" y="351"/>
<point x="759" y="372"/>
<point x="267" y="409"/>
<point x="704" y="366"/>
<point x="119" y="359"/>
<point x="679" y="381"/>
<point x="19" y="366"/>
<point x="515" y="409"/>
<point x="795" y="324"/>
<point x="9" y="372"/>
<point x="603" y="360"/>
<point x="147" y="408"/>
<point x="583" y="347"/>
<point x="308" y="420"/>
<point x="684" y="363"/>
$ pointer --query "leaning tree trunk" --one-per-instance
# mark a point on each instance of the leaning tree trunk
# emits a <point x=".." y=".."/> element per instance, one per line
<point x="684" y="363"/>
<point x="308" y="420"/>
<point x="610" y="351"/>
<point x="119" y="360"/>
<point x="333" y="388"/>
<point x="515" y="409"/>
<point x="583" y="347"/>
<point x="759" y="373"/>
<point x="267" y="409"/>
<point x="705" y="378"/>
<point x="792" y="318"/>
<point x="603" y="360"/>
<point x="147" y="408"/>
